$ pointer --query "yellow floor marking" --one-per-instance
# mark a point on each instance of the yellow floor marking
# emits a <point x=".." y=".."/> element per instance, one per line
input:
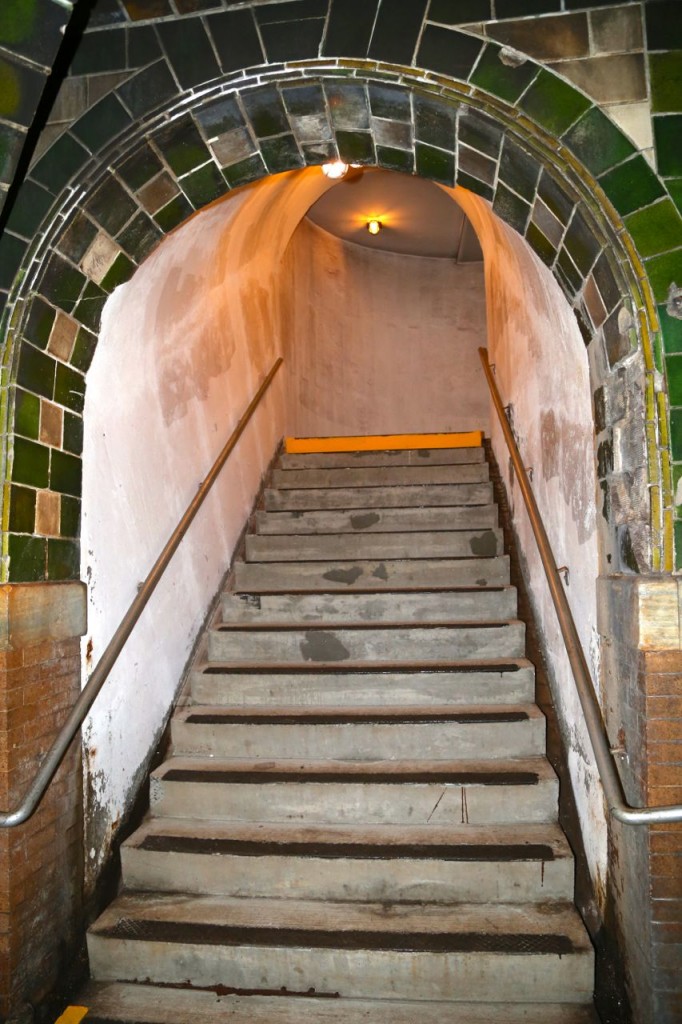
<point x="381" y="442"/>
<point x="72" y="1015"/>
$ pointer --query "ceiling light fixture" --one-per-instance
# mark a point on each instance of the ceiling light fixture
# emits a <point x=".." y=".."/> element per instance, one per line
<point x="374" y="226"/>
<point x="336" y="169"/>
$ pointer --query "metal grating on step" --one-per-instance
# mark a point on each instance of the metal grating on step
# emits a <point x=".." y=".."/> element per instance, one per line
<point x="209" y="934"/>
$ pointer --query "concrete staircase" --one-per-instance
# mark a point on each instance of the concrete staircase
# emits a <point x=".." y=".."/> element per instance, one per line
<point x="358" y="822"/>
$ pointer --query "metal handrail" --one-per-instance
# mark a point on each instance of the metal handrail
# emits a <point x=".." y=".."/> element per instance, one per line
<point x="613" y="789"/>
<point x="104" y="666"/>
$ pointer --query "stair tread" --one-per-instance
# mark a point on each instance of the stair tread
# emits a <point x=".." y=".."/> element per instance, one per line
<point x="520" y="837"/>
<point x="296" y="769"/>
<point x="149" y="1004"/>
<point x="353" y="918"/>
<point x="285" y="626"/>
<point x="375" y="667"/>
<point x="218" y="714"/>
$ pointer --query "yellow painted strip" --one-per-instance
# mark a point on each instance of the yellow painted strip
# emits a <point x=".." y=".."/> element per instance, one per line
<point x="72" y="1015"/>
<point x="381" y="442"/>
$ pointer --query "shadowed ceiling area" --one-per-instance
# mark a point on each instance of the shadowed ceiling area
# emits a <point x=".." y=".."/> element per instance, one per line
<point x="418" y="218"/>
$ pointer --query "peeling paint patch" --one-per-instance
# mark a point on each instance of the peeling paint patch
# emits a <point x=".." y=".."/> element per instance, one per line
<point x="364" y="520"/>
<point x="343" y="575"/>
<point x="321" y="646"/>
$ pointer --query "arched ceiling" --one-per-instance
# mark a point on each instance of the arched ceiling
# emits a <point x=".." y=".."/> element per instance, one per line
<point x="417" y="217"/>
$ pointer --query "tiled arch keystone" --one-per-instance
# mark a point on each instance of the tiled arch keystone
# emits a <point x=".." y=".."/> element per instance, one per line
<point x="148" y="156"/>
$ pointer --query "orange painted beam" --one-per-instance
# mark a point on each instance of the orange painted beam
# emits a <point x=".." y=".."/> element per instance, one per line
<point x="381" y="442"/>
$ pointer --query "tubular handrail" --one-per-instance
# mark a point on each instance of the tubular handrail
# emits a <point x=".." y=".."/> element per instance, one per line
<point x="105" y="664"/>
<point x="613" y="789"/>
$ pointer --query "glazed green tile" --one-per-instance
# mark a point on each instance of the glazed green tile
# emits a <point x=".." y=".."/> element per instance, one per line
<point x="506" y="82"/>
<point x="480" y="188"/>
<point x="31" y="463"/>
<point x="316" y="153"/>
<point x="555" y="197"/>
<point x="266" y="112"/>
<point x="471" y="162"/>
<point x="540" y="245"/>
<point x="435" y="164"/>
<point x="69" y="389"/>
<point x="389" y="102"/>
<point x="631" y="185"/>
<point x="75" y="241"/>
<point x="173" y="213"/>
<point x="480" y="133"/>
<point x="434" y="123"/>
<point x="671" y="328"/>
<point x="223" y="115"/>
<point x="111" y="206"/>
<point x="662" y="271"/>
<point x="189" y="51"/>
<point x="70" y="518"/>
<point x="143" y="45"/>
<point x="674" y="186"/>
<point x="294" y="41"/>
<point x="139" y="237"/>
<point x="656" y="228"/>
<point x="102" y="123"/>
<point x="581" y="243"/>
<point x="448" y="52"/>
<point x="245" y="171"/>
<point x="182" y="146"/>
<point x="73" y="433"/>
<point x="236" y="39"/>
<point x="673" y="367"/>
<point x="83" y="350"/>
<point x="120" y="271"/>
<point x="667" y="135"/>
<point x="30" y="207"/>
<point x="27" y="558"/>
<point x="61" y="283"/>
<point x="89" y="309"/>
<point x="553" y="103"/>
<point x="22" y="510"/>
<point x="65" y="473"/>
<point x="11" y="143"/>
<point x="140" y="168"/>
<point x="148" y="89"/>
<point x="459" y="12"/>
<point x="570" y="276"/>
<point x="60" y="162"/>
<point x="204" y="185"/>
<point x="676" y="432"/>
<point x="355" y="147"/>
<point x="12" y="252"/>
<point x="94" y="56"/>
<point x="665" y="74"/>
<point x="26" y="414"/>
<point x="39" y="323"/>
<point x="678" y="545"/>
<point x="618" y="345"/>
<point x="395" y="159"/>
<point x="597" y="142"/>
<point x="396" y="30"/>
<point x="512" y="209"/>
<point x="606" y="282"/>
<point x="20" y="90"/>
<point x="36" y="371"/>
<point x="63" y="559"/>
<point x="518" y="169"/>
<point x="281" y="154"/>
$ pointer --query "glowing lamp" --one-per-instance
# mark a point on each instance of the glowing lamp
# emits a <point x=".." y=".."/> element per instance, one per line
<point x="336" y="169"/>
<point x="374" y="226"/>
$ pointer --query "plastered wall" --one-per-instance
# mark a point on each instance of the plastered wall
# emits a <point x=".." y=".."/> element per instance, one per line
<point x="542" y="370"/>
<point x="379" y="342"/>
<point x="183" y="348"/>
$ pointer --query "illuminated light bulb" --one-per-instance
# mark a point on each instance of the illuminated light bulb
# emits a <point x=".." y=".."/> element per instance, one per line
<point x="337" y="169"/>
<point x="374" y="226"/>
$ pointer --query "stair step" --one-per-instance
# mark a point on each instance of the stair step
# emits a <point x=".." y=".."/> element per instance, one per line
<point x="360" y="685"/>
<point x="395" y="457"/>
<point x="345" y="792"/>
<point x="386" y="574"/>
<point x="413" y="496"/>
<point x="360" y="950"/>
<point x="382" y="520"/>
<point x="473" y="604"/>
<point x="367" y="641"/>
<point x="380" y="476"/>
<point x="121" y="1003"/>
<point x="339" y="547"/>
<point x="352" y="733"/>
<point x="459" y="863"/>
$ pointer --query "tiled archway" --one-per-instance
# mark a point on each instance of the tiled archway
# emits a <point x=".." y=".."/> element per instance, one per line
<point x="145" y="158"/>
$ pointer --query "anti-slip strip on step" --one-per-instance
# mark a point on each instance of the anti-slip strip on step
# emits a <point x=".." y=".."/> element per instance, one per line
<point x="377" y="669"/>
<point x="435" y="777"/>
<point x="337" y="718"/>
<point x="488" y="852"/>
<point x="207" y="934"/>
<point x="334" y="627"/>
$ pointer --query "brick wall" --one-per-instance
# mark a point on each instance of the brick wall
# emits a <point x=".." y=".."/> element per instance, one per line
<point x="40" y="861"/>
